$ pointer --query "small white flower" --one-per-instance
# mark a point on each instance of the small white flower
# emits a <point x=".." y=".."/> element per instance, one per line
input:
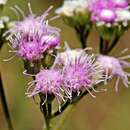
<point x="68" y="55"/>
<point x="70" y="6"/>
<point x="3" y="20"/>
<point x="3" y="2"/>
<point x="123" y="15"/>
<point x="115" y="67"/>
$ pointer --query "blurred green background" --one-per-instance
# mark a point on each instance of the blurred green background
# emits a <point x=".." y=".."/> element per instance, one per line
<point x="109" y="111"/>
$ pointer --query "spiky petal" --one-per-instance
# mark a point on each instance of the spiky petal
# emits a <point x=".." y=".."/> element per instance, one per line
<point x="48" y="82"/>
<point x="114" y="67"/>
<point x="33" y="36"/>
<point x="109" y="12"/>
<point x="81" y="72"/>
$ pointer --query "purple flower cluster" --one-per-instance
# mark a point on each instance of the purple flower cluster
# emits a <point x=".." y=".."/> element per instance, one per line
<point x="114" y="67"/>
<point x="33" y="36"/>
<point x="120" y="3"/>
<point x="109" y="11"/>
<point x="47" y="82"/>
<point x="79" y="73"/>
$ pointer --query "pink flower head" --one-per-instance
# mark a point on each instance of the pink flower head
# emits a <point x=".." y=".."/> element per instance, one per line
<point x="114" y="67"/>
<point x="81" y="72"/>
<point x="107" y="15"/>
<point x="120" y="3"/>
<point x="103" y="10"/>
<point x="63" y="58"/>
<point x="48" y="82"/>
<point x="110" y="12"/>
<point x="33" y="36"/>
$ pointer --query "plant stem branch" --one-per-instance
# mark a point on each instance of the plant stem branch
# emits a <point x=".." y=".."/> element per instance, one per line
<point x="63" y="108"/>
<point x="49" y="109"/>
<point x="5" y="106"/>
<point x="113" y="43"/>
<point x="101" y="45"/>
<point x="104" y="44"/>
<point x="46" y="111"/>
<point x="70" y="106"/>
<point x="83" y="35"/>
<point x="46" y="125"/>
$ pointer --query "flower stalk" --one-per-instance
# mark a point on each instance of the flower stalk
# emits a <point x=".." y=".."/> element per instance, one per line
<point x="66" y="115"/>
<point x="5" y="106"/>
<point x="83" y="35"/>
<point x="107" y="46"/>
<point x="69" y="107"/>
<point x="113" y="43"/>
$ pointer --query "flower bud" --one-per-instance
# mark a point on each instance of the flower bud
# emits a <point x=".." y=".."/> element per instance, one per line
<point x="114" y="67"/>
<point x="48" y="83"/>
<point x="110" y="17"/>
<point x="120" y="3"/>
<point x="75" y="12"/>
<point x="2" y="3"/>
<point x="4" y="21"/>
<point x="33" y="36"/>
<point x="80" y="71"/>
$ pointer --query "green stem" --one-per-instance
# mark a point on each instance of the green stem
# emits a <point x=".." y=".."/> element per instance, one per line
<point x="83" y="35"/>
<point x="113" y="43"/>
<point x="104" y="44"/>
<point x="5" y="106"/>
<point x="101" y="45"/>
<point x="46" y="111"/>
<point x="107" y="46"/>
<point x="46" y="124"/>
<point x="83" y="38"/>
<point x="49" y="106"/>
<point x="63" y="108"/>
<point x="69" y="107"/>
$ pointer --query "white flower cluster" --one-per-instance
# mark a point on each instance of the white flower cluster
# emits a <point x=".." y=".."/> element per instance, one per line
<point x="123" y="15"/>
<point x="70" y="6"/>
<point x="3" y="20"/>
<point x="3" y="2"/>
